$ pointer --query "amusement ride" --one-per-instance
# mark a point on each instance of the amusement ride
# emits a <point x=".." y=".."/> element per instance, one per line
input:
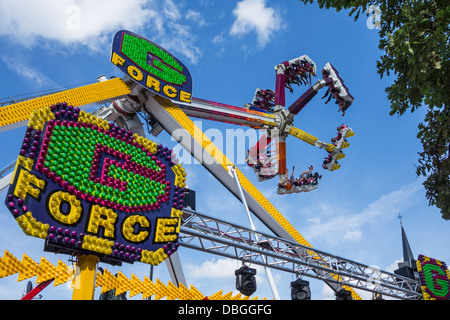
<point x="128" y="202"/>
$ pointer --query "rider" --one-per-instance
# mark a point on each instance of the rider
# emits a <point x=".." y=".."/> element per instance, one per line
<point x="311" y="178"/>
<point x="326" y="161"/>
<point x="305" y="178"/>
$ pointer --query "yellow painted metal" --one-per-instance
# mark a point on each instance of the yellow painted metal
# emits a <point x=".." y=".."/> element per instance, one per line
<point x="15" y="114"/>
<point x="308" y="138"/>
<point x="302" y="135"/>
<point x="27" y="268"/>
<point x="121" y="283"/>
<point x="45" y="270"/>
<point x="85" y="278"/>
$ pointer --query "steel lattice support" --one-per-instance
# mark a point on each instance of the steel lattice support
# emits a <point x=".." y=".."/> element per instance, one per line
<point x="200" y="232"/>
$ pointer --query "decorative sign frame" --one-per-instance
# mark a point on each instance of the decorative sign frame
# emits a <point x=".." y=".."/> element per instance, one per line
<point x="434" y="278"/>
<point x="87" y="186"/>
<point x="151" y="66"/>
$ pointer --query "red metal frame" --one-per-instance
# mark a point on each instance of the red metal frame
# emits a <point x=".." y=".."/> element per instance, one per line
<point x="30" y="295"/>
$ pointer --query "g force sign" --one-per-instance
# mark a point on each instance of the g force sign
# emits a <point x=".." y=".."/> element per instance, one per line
<point x="151" y="66"/>
<point x="434" y="278"/>
<point x="87" y="186"/>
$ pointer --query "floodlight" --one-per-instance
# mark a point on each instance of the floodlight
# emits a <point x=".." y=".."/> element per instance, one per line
<point x="245" y="280"/>
<point x="300" y="290"/>
<point x="343" y="295"/>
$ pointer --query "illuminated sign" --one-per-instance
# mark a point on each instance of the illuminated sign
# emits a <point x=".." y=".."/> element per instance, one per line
<point x="85" y="185"/>
<point x="434" y="278"/>
<point x="151" y="66"/>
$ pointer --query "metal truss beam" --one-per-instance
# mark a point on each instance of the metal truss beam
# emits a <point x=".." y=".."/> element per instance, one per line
<point x="215" y="236"/>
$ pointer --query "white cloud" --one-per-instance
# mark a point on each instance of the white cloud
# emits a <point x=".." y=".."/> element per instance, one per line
<point x="313" y="220"/>
<point x="336" y="227"/>
<point x="27" y="73"/>
<point x="253" y="15"/>
<point x="394" y="265"/>
<point x="218" y="38"/>
<point x="69" y="22"/>
<point x="180" y="39"/>
<point x="327" y="293"/>
<point x="213" y="269"/>
<point x="170" y="10"/>
<point x="222" y="270"/>
<point x="352" y="235"/>
<point x="87" y="23"/>
<point x="196" y="17"/>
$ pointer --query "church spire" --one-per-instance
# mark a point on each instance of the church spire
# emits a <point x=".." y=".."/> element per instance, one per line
<point x="407" y="252"/>
<point x="407" y="267"/>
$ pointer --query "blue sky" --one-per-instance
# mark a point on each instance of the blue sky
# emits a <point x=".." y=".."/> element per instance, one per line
<point x="231" y="48"/>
